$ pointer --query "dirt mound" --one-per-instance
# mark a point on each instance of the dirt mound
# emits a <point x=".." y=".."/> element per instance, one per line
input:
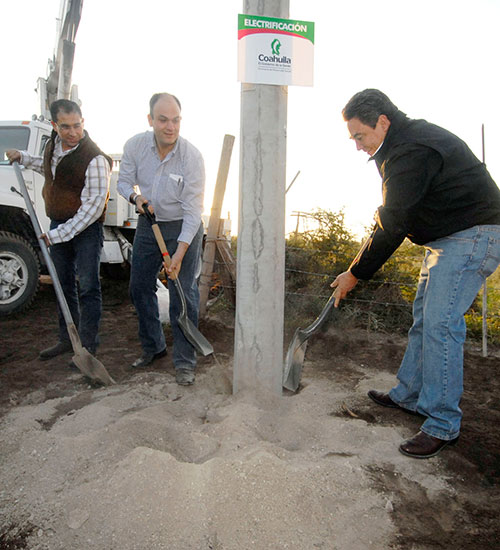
<point x="149" y="464"/>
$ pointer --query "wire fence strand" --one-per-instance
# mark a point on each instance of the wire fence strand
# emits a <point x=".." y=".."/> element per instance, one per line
<point x="313" y="292"/>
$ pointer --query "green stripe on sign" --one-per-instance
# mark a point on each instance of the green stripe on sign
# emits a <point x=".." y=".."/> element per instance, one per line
<point x="305" y="29"/>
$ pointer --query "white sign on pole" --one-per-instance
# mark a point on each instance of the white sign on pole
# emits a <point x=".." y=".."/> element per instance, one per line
<point x="275" y="51"/>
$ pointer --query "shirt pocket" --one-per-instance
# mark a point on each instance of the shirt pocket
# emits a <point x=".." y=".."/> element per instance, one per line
<point x="176" y="184"/>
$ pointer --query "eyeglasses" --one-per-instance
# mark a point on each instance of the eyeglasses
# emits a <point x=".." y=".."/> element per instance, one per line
<point x="67" y="127"/>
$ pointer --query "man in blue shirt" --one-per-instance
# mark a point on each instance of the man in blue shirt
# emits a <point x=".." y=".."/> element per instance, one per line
<point x="166" y="171"/>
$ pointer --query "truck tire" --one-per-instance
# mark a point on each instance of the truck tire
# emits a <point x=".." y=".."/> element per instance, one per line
<point x="19" y="273"/>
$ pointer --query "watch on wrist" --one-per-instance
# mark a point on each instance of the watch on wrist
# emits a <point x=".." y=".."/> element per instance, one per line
<point x="133" y="198"/>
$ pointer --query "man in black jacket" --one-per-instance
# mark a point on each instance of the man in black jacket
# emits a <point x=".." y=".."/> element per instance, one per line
<point x="437" y="194"/>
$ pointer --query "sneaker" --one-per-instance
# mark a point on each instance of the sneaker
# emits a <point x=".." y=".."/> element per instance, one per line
<point x="184" y="377"/>
<point x="147" y="358"/>
<point x="54" y="351"/>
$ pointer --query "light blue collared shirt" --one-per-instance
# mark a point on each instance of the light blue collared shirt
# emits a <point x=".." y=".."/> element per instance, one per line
<point x="174" y="185"/>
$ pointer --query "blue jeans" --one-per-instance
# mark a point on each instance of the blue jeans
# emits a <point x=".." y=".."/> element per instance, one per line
<point x="431" y="373"/>
<point x="80" y="257"/>
<point x="146" y="263"/>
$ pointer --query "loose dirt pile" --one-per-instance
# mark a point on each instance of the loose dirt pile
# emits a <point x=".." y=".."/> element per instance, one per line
<point x="147" y="464"/>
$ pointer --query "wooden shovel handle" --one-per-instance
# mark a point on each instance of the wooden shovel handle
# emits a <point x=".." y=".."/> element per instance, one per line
<point x="161" y="244"/>
<point x="159" y="238"/>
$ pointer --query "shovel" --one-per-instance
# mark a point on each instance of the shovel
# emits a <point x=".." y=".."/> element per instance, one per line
<point x="192" y="334"/>
<point x="297" y="349"/>
<point x="87" y="363"/>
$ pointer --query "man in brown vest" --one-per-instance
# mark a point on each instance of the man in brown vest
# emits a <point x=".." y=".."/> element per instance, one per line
<point x="76" y="192"/>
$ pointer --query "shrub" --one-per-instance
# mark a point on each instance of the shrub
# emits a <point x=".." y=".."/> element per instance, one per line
<point x="315" y="257"/>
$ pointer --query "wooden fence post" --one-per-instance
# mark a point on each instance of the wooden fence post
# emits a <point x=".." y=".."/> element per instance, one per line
<point x="213" y="224"/>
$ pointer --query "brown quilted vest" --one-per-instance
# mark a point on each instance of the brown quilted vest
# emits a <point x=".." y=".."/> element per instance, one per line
<point x="62" y="192"/>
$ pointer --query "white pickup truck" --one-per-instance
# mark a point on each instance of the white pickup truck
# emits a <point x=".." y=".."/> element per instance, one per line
<point x="21" y="261"/>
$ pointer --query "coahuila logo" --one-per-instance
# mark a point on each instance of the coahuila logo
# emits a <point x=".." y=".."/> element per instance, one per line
<point x="275" y="49"/>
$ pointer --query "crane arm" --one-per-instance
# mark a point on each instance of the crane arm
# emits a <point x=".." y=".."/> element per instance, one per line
<point x="57" y="85"/>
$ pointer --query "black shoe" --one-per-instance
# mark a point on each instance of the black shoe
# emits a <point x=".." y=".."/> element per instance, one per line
<point x="383" y="399"/>
<point x="184" y="377"/>
<point x="423" y="445"/>
<point x="54" y="351"/>
<point x="147" y="358"/>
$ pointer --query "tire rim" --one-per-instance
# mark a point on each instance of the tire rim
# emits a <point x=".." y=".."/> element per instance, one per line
<point x="13" y="277"/>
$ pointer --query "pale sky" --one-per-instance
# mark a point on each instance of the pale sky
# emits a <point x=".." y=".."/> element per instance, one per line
<point x="436" y="60"/>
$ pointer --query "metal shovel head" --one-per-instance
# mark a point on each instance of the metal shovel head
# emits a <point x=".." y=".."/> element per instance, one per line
<point x="87" y="364"/>
<point x="92" y="367"/>
<point x="297" y="349"/>
<point x="192" y="334"/>
<point x="294" y="360"/>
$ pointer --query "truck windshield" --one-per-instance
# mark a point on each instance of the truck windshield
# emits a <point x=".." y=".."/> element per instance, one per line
<point x="12" y="137"/>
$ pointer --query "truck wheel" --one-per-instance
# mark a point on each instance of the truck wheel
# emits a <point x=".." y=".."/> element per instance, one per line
<point x="19" y="273"/>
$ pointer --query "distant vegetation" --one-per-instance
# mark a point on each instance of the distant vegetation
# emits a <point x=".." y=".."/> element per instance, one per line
<point x="315" y="257"/>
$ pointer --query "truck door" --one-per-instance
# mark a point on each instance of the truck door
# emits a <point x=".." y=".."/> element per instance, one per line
<point x="41" y="136"/>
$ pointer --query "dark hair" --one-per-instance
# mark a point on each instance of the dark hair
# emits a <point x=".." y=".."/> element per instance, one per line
<point x="156" y="97"/>
<point x="368" y="105"/>
<point x="64" y="105"/>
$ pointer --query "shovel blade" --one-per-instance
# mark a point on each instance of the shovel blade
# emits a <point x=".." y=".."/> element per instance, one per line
<point x="294" y="361"/>
<point x="190" y="331"/>
<point x="297" y="349"/>
<point x="92" y="367"/>
<point x="194" y="336"/>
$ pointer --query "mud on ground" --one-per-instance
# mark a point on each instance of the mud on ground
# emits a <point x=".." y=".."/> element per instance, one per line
<point x="147" y="464"/>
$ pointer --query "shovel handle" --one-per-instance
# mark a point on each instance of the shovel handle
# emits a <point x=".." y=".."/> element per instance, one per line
<point x="159" y="237"/>
<point x="362" y="249"/>
<point x="166" y="259"/>
<point x="73" y="334"/>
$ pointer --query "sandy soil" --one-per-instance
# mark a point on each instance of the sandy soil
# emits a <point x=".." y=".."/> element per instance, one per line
<point x="146" y="464"/>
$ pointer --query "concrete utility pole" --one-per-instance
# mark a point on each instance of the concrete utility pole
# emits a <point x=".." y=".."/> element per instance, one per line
<point x="258" y="349"/>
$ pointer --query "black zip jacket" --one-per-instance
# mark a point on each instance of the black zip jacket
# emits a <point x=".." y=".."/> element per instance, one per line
<point x="432" y="186"/>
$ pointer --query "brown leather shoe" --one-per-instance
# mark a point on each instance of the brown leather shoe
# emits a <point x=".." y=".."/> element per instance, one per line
<point x="423" y="445"/>
<point x="383" y="399"/>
